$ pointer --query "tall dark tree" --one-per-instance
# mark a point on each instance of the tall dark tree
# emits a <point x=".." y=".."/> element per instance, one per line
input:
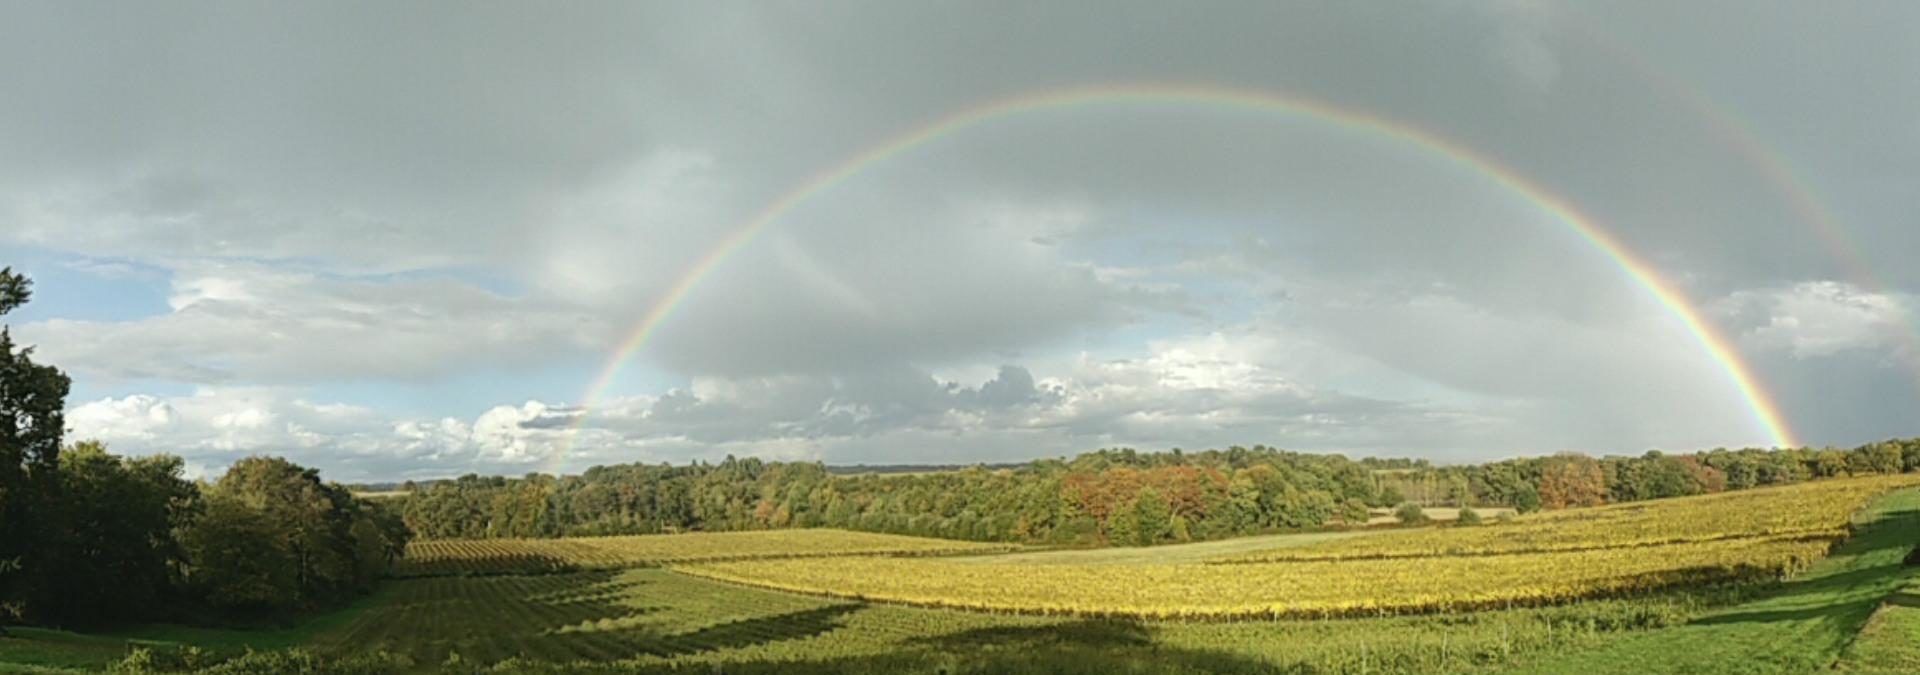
<point x="31" y="399"/>
<point x="119" y="515"/>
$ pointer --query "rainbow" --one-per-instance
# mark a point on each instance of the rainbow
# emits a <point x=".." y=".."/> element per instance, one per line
<point x="1731" y="131"/>
<point x="1765" y="412"/>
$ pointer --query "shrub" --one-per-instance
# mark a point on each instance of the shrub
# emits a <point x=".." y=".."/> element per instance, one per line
<point x="1468" y="516"/>
<point x="1410" y="514"/>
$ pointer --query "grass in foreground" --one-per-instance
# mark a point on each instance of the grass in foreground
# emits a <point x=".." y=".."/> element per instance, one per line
<point x="649" y="620"/>
<point x="1802" y="626"/>
<point x="1890" y="642"/>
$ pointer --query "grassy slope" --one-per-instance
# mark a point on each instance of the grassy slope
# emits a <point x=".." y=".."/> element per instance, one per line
<point x="1891" y="641"/>
<point x="1801" y="627"/>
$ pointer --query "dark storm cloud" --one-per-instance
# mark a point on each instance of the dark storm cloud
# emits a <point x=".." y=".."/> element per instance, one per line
<point x="589" y="156"/>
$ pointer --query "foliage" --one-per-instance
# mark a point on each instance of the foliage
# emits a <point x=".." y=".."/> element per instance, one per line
<point x="120" y="515"/>
<point x="1570" y="480"/>
<point x="32" y="397"/>
<point x="1116" y="496"/>
<point x="89" y="538"/>
<point x="1410" y="514"/>
<point x="1468" y="516"/>
<point x="274" y="537"/>
<point x="1104" y="497"/>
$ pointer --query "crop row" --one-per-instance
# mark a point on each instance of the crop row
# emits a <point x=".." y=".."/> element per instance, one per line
<point x="520" y="556"/>
<point x="1301" y="589"/>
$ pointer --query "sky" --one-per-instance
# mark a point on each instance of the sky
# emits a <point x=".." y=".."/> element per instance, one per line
<point x="417" y="240"/>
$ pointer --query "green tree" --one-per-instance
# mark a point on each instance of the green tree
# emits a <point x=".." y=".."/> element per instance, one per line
<point x="1468" y="516"/>
<point x="120" y="515"/>
<point x="275" y="537"/>
<point x="32" y="397"/>
<point x="1410" y="514"/>
<point x="1355" y="512"/>
<point x="239" y="559"/>
<point x="1153" y="517"/>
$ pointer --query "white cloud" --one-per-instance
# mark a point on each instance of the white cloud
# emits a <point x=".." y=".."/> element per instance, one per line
<point x="1815" y="319"/>
<point x="214" y="426"/>
<point x="256" y="324"/>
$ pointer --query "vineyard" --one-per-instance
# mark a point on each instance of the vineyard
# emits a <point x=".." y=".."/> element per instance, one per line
<point x="826" y="601"/>
<point x="1727" y="538"/>
<point x="1274" y="590"/>
<point x="1820" y="509"/>
<point x="646" y="619"/>
<point x="526" y="556"/>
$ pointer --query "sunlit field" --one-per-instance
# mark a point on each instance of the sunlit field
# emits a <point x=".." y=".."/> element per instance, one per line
<point x="834" y="601"/>
<point x="502" y="556"/>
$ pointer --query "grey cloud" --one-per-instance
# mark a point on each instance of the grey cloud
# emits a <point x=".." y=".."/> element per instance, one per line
<point x="591" y="156"/>
<point x="249" y="324"/>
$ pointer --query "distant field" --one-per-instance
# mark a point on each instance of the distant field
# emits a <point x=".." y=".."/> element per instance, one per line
<point x="1171" y="553"/>
<point x="1440" y="514"/>
<point x="1757" y="535"/>
<point x="1811" y="510"/>
<point x="1274" y="590"/>
<point x="382" y="494"/>
<point x="512" y="556"/>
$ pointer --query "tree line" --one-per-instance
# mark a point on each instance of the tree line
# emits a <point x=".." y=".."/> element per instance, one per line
<point x="1116" y="496"/>
<point x="88" y="538"/>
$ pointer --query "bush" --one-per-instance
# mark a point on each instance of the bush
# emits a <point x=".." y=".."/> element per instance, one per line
<point x="1468" y="516"/>
<point x="1410" y="514"/>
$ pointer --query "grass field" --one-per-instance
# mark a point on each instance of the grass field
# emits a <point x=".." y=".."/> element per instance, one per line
<point x="1846" y="609"/>
<point x="1890" y="641"/>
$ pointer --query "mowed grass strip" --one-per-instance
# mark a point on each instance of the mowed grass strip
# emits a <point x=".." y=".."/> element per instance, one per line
<point x="1276" y="590"/>
<point x="1814" y="509"/>
<point x="521" y="556"/>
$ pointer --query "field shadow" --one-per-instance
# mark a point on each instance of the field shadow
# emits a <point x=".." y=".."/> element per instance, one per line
<point x="512" y="564"/>
<point x="1082" y="647"/>
<point x="1847" y="597"/>
<point x="1084" y="633"/>
<point x="750" y="632"/>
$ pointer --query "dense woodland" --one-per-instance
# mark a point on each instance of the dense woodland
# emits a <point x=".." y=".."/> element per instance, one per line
<point x="1111" y="496"/>
<point x="88" y="538"/>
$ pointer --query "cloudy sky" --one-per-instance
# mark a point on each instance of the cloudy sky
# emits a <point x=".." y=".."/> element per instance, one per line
<point x="403" y="240"/>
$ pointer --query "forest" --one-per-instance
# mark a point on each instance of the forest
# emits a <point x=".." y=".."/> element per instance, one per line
<point x="1108" y="497"/>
